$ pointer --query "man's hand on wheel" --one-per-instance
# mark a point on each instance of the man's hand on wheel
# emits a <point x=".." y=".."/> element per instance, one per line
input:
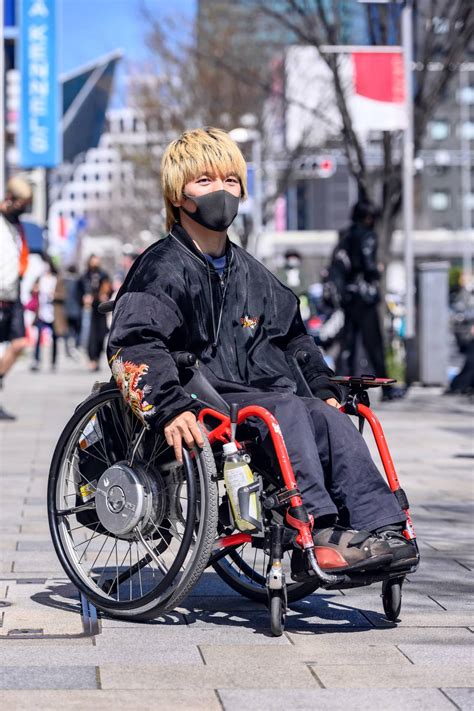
<point x="333" y="402"/>
<point x="183" y="426"/>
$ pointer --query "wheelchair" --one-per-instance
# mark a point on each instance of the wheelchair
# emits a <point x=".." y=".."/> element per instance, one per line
<point x="134" y="529"/>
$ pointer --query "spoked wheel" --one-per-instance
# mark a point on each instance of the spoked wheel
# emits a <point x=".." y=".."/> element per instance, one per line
<point x="277" y="612"/>
<point x="392" y="598"/>
<point x="244" y="569"/>
<point x="133" y="529"/>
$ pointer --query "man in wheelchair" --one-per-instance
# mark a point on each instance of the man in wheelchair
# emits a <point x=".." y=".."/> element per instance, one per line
<point x="196" y="291"/>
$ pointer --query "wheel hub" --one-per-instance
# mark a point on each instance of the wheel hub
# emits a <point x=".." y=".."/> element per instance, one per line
<point x="127" y="497"/>
<point x="116" y="499"/>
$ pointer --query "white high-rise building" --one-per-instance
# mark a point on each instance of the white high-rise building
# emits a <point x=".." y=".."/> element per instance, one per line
<point x="101" y="192"/>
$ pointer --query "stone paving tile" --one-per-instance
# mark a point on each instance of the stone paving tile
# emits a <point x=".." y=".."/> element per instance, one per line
<point x="435" y="636"/>
<point x="143" y="652"/>
<point x="45" y="562"/>
<point x="42" y="545"/>
<point x="462" y="654"/>
<point x="19" y="643"/>
<point x="317" y="653"/>
<point x="462" y="697"/>
<point x="48" y="677"/>
<point x="455" y="604"/>
<point x="333" y="699"/>
<point x="181" y="634"/>
<point x="233" y="675"/>
<point x="34" y="527"/>
<point x="52" y="621"/>
<point x="167" y="700"/>
<point x="424" y="619"/>
<point x="8" y="542"/>
<point x="403" y="675"/>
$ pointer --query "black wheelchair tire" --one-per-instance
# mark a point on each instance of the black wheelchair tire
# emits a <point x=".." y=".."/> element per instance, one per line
<point x="277" y="613"/>
<point x="392" y="598"/>
<point x="155" y="602"/>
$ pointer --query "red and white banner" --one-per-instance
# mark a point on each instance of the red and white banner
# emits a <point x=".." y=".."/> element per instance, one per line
<point x="373" y="82"/>
<point x="378" y="99"/>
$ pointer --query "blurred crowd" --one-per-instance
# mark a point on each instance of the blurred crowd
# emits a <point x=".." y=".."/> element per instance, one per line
<point x="59" y="309"/>
<point x="360" y="328"/>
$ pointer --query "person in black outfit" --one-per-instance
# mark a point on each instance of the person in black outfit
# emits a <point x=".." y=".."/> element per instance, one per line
<point x="361" y="295"/>
<point x="94" y="288"/>
<point x="72" y="306"/>
<point x="196" y="291"/>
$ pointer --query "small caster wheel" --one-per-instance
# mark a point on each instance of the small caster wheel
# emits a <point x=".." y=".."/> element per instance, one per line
<point x="392" y="598"/>
<point x="277" y="613"/>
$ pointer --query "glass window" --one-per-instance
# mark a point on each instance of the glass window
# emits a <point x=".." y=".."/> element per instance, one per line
<point x="469" y="201"/>
<point x="467" y="130"/>
<point x="439" y="130"/>
<point x="439" y="200"/>
<point x="467" y="95"/>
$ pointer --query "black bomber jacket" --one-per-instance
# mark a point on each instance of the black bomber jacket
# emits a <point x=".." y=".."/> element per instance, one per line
<point x="239" y="327"/>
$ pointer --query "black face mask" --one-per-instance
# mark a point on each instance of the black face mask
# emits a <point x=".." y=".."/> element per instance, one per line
<point x="216" y="210"/>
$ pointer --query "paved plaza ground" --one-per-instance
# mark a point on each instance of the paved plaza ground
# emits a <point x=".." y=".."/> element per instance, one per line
<point x="214" y="652"/>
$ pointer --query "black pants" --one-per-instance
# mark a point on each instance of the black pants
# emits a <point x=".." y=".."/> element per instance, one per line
<point x="331" y="461"/>
<point x="97" y="334"/>
<point x="41" y="326"/>
<point x="363" y="319"/>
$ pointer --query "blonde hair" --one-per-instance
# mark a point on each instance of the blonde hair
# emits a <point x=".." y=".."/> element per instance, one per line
<point x="195" y="152"/>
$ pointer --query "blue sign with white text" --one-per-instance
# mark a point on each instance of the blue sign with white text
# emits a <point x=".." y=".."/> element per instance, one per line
<point x="40" y="129"/>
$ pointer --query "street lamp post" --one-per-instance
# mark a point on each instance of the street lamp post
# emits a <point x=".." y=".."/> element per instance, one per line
<point x="407" y="190"/>
<point x="2" y="101"/>
<point x="466" y="188"/>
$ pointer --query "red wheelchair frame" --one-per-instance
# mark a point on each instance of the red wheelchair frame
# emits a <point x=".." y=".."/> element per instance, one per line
<point x="356" y="404"/>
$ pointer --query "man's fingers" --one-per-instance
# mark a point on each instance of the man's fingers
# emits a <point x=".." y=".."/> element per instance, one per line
<point x="178" y="446"/>
<point x="169" y="437"/>
<point x="183" y="427"/>
<point x="186" y="434"/>
<point x="197" y="434"/>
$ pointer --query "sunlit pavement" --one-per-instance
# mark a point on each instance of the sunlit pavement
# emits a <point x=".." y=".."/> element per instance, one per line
<point x="339" y="651"/>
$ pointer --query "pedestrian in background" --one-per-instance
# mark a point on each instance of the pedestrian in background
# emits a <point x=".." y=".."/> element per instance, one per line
<point x="13" y="262"/>
<point x="72" y="308"/>
<point x="45" y="321"/>
<point x="95" y="287"/>
<point x="359" y="282"/>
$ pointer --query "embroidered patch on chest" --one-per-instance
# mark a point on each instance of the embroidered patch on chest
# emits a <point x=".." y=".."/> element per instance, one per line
<point x="249" y="322"/>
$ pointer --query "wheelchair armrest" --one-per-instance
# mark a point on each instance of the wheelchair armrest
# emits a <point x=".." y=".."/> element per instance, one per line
<point x="362" y="382"/>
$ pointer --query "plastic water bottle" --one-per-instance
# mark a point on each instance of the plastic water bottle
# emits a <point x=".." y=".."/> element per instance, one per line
<point x="238" y="476"/>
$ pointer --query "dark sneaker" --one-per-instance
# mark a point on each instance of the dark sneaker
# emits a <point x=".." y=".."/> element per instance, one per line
<point x="343" y="550"/>
<point x="405" y="553"/>
<point x="4" y="415"/>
